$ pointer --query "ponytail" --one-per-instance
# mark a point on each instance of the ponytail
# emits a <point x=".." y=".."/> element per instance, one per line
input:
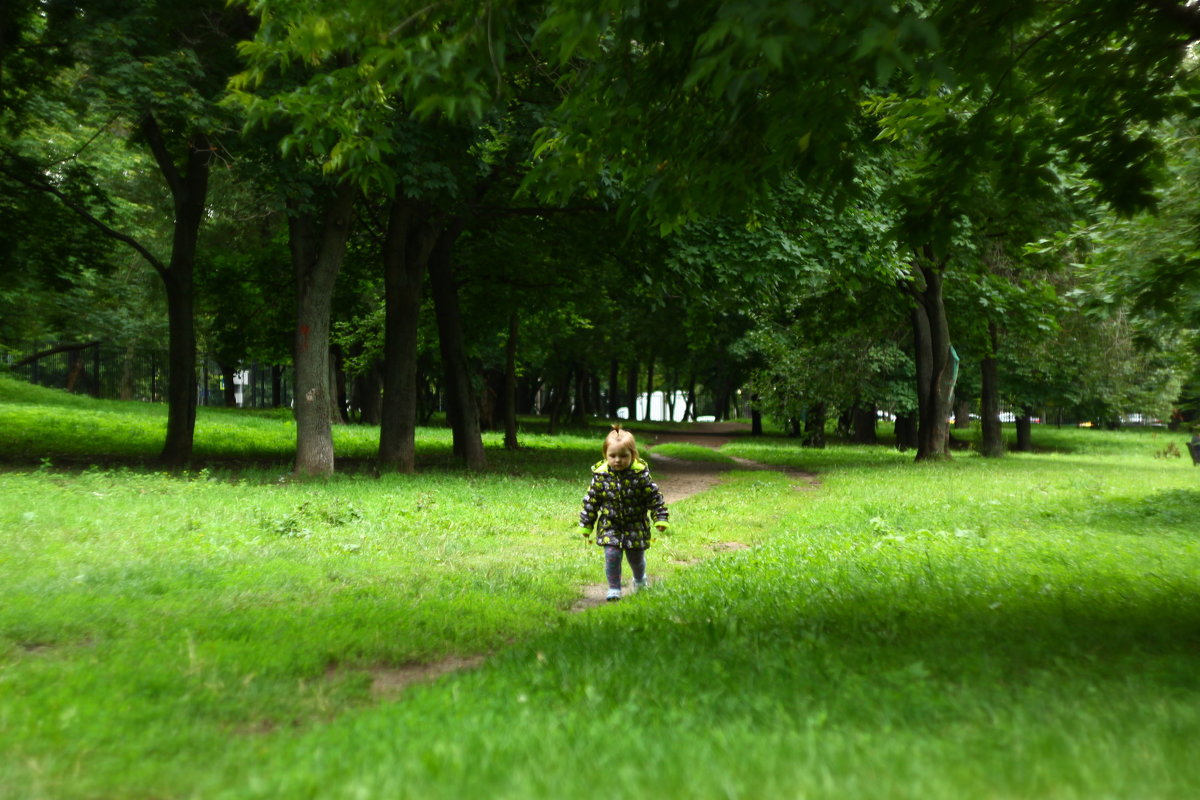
<point x="619" y="437"/>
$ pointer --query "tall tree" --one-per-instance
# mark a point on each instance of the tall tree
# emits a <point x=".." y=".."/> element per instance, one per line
<point x="742" y="84"/>
<point x="161" y="67"/>
<point x="343" y="78"/>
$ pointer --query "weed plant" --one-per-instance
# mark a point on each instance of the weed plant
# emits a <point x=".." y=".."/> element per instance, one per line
<point x="1021" y="627"/>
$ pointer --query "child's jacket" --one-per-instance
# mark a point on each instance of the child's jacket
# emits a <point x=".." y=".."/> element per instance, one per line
<point x="619" y="504"/>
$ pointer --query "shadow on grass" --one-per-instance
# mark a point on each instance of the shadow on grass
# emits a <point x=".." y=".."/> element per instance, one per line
<point x="566" y="457"/>
<point x="883" y="652"/>
<point x="1176" y="509"/>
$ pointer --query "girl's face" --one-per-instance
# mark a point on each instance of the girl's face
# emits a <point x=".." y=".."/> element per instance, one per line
<point x="618" y="457"/>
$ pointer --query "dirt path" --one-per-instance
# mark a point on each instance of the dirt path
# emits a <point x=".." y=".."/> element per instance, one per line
<point x="678" y="479"/>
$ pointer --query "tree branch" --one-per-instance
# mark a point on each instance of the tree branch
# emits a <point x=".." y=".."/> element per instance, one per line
<point x="88" y="143"/>
<point x="77" y="207"/>
<point x="62" y="348"/>
<point x="158" y="147"/>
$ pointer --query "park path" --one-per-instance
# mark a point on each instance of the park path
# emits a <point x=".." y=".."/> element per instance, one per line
<point x="678" y="479"/>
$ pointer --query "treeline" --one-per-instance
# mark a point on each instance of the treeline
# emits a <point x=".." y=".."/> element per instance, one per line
<point x="835" y="207"/>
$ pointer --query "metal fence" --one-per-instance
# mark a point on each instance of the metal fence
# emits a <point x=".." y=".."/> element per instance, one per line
<point x="118" y="373"/>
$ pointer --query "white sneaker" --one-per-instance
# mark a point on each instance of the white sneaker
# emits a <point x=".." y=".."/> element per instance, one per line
<point x="613" y="595"/>
<point x="644" y="583"/>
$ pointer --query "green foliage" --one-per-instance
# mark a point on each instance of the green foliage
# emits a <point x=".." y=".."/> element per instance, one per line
<point x="337" y="73"/>
<point x="694" y="107"/>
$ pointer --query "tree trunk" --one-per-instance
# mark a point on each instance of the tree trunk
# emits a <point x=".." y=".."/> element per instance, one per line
<point x="337" y="389"/>
<point x="631" y="391"/>
<point x="181" y="353"/>
<point x="316" y="259"/>
<point x="228" y="390"/>
<point x="862" y="422"/>
<point x="461" y="407"/>
<point x="75" y="370"/>
<point x="411" y="236"/>
<point x="368" y="395"/>
<point x="189" y="193"/>
<point x="814" y="426"/>
<point x="276" y="386"/>
<point x="906" y="432"/>
<point x="614" y="379"/>
<point x="962" y="413"/>
<point x="724" y="392"/>
<point x="558" y="394"/>
<point x="845" y="423"/>
<point x="936" y="369"/>
<point x="756" y="428"/>
<point x="579" y="412"/>
<point x="691" y="412"/>
<point x="510" y="384"/>
<point x="649" y="386"/>
<point x="1025" y="431"/>
<point x="595" y="396"/>
<point x="491" y="400"/>
<point x="991" y="443"/>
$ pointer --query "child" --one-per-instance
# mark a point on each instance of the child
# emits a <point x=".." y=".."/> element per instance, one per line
<point x="618" y="504"/>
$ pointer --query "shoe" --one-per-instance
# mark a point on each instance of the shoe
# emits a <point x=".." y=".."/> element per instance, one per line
<point x="613" y="595"/>
<point x="644" y="583"/>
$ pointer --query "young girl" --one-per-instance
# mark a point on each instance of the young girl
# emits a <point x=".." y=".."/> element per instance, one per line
<point x="618" y="504"/>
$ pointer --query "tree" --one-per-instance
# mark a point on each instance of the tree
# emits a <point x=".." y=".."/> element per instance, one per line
<point x="1152" y="261"/>
<point x="342" y="78"/>
<point x="730" y="78"/>
<point x="161" y="68"/>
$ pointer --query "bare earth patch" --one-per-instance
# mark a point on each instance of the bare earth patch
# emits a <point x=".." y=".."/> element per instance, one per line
<point x="387" y="683"/>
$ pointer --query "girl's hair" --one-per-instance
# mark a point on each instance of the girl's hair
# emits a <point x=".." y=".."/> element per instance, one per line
<point x="619" y="437"/>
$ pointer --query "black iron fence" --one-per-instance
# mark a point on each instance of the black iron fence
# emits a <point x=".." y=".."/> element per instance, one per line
<point x="120" y="373"/>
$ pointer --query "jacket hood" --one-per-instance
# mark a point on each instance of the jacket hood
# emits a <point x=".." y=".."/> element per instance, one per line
<point x="638" y="465"/>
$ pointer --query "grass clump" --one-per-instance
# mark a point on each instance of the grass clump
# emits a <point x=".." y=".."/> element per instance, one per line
<point x="691" y="452"/>
<point x="1024" y="627"/>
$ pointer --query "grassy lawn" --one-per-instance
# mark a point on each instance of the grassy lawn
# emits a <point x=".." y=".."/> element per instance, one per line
<point x="1027" y="627"/>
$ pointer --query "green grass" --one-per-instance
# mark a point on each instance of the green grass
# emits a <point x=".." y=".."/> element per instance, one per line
<point x="691" y="452"/>
<point x="1014" y="628"/>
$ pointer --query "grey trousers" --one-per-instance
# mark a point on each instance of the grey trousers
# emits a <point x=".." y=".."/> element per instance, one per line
<point x="612" y="564"/>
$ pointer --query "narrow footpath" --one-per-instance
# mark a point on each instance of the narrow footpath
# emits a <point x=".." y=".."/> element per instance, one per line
<point x="679" y="479"/>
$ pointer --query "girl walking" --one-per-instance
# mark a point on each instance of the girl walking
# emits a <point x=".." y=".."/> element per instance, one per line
<point x="619" y="503"/>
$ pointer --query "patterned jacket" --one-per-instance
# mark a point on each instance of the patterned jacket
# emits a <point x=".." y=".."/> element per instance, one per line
<point x="619" y="504"/>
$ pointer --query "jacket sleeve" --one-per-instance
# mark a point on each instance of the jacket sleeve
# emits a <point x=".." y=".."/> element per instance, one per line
<point x="591" y="506"/>
<point x="656" y="505"/>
